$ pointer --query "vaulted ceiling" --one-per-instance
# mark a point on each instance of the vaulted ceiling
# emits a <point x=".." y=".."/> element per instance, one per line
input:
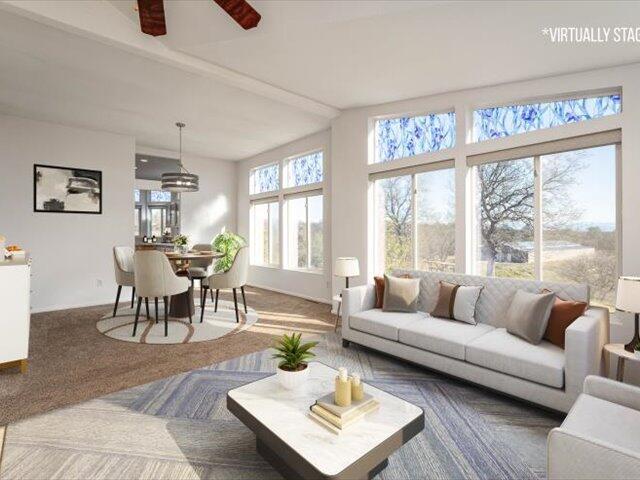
<point x="242" y="92"/>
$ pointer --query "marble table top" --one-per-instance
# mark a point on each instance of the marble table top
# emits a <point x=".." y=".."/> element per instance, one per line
<point x="286" y="414"/>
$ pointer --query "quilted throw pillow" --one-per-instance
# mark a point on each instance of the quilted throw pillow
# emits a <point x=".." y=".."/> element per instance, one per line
<point x="457" y="302"/>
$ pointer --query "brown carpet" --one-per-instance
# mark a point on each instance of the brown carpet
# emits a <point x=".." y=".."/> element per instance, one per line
<point x="70" y="361"/>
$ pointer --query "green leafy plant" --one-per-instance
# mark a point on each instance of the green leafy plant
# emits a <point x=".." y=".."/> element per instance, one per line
<point x="637" y="346"/>
<point x="227" y="243"/>
<point x="292" y="353"/>
<point x="180" y="240"/>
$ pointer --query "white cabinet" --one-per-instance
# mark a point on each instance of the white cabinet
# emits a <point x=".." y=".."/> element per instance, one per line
<point x="15" y="312"/>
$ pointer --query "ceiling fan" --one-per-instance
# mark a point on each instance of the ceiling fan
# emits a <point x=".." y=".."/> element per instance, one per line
<point x="152" y="15"/>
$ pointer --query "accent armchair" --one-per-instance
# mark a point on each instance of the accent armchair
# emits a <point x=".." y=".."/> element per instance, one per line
<point x="155" y="278"/>
<point x="599" y="437"/>
<point x="201" y="268"/>
<point x="235" y="277"/>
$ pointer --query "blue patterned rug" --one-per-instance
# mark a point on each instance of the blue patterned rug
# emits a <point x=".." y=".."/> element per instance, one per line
<point x="179" y="428"/>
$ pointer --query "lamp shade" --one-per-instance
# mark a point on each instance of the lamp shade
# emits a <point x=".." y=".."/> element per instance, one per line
<point x="628" y="294"/>
<point x="346" y="267"/>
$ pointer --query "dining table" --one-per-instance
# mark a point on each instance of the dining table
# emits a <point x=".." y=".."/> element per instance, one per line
<point x="182" y="305"/>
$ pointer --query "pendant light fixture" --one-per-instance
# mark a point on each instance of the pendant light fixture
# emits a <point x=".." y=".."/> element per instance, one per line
<point x="181" y="181"/>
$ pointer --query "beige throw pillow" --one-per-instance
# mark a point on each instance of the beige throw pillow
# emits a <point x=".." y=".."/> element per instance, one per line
<point x="401" y="294"/>
<point x="528" y="315"/>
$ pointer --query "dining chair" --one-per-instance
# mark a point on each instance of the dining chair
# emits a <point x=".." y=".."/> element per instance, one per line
<point x="200" y="268"/>
<point x="123" y="266"/>
<point x="155" y="278"/>
<point x="235" y="277"/>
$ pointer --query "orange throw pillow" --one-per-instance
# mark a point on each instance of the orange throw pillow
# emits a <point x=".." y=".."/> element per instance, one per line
<point x="563" y="313"/>
<point x="379" y="281"/>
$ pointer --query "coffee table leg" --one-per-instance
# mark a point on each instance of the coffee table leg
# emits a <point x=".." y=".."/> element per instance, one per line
<point x="282" y="467"/>
<point x="378" y="469"/>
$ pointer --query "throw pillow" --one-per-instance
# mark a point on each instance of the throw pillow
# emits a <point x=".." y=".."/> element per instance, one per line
<point x="528" y="315"/>
<point x="401" y="294"/>
<point x="563" y="314"/>
<point x="379" y="281"/>
<point x="457" y="302"/>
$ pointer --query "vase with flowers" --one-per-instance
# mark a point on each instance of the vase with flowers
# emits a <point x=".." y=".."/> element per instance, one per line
<point x="180" y="243"/>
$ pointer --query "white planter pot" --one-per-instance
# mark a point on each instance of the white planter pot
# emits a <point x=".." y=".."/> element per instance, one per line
<point x="292" y="380"/>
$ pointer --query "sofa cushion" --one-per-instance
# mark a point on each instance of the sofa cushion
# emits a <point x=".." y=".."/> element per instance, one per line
<point x="506" y="353"/>
<point x="384" y="324"/>
<point x="604" y="421"/>
<point x="438" y="335"/>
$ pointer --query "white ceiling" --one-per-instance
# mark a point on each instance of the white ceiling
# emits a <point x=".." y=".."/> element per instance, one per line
<point x="240" y="93"/>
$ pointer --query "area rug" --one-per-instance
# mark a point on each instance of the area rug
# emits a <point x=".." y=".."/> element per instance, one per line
<point x="214" y="325"/>
<point x="180" y="428"/>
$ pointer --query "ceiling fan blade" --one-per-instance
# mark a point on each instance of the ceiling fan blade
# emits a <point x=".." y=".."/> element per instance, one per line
<point x="152" y="17"/>
<point x="241" y="12"/>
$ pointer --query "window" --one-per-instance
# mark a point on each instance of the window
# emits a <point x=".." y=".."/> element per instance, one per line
<point x="414" y="220"/>
<point x="305" y="170"/>
<point x="137" y="220"/>
<point x="264" y="179"/>
<point x="305" y="232"/>
<point x="510" y="120"/>
<point x="158" y="220"/>
<point x="540" y="217"/>
<point x="406" y="136"/>
<point x="265" y="234"/>
<point x="156" y="196"/>
<point x="136" y="195"/>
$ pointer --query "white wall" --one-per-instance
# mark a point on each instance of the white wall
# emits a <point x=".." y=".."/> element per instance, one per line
<point x="304" y="284"/>
<point x="71" y="252"/>
<point x="213" y="208"/>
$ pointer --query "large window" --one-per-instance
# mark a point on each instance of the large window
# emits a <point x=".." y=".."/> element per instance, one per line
<point x="304" y="170"/>
<point x="496" y="122"/>
<point x="415" y="221"/>
<point x="406" y="136"/>
<point x="305" y="232"/>
<point x="265" y="238"/>
<point x="264" y="179"/>
<point x="550" y="217"/>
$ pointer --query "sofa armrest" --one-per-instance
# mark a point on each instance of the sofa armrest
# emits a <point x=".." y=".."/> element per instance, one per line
<point x="612" y="391"/>
<point x="571" y="456"/>
<point x="357" y="299"/>
<point x="584" y="341"/>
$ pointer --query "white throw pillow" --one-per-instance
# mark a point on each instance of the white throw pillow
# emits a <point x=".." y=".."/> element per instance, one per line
<point x="464" y="308"/>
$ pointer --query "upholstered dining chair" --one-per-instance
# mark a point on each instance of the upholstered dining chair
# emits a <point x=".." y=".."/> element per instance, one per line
<point x="155" y="278"/>
<point x="200" y="268"/>
<point x="235" y="277"/>
<point x="123" y="266"/>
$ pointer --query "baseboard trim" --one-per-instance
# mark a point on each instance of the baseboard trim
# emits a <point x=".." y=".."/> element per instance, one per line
<point x="293" y="294"/>
<point x="55" y="308"/>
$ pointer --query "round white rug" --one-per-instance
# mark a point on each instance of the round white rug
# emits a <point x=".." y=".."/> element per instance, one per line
<point x="214" y="325"/>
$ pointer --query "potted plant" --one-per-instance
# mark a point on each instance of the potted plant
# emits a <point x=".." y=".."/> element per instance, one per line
<point x="180" y="243"/>
<point x="293" y="369"/>
<point x="636" y="350"/>
<point x="227" y="243"/>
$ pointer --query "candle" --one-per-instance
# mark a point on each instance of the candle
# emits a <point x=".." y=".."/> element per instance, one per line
<point x="342" y="395"/>
<point x="357" y="388"/>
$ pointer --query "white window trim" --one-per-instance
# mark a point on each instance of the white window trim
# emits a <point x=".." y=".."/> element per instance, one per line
<point x="286" y="162"/>
<point x="536" y="151"/>
<point x="281" y="195"/>
<point x="413" y="172"/>
<point x="287" y="264"/>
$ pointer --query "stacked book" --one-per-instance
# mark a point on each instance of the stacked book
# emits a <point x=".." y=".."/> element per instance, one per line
<point x="337" y="418"/>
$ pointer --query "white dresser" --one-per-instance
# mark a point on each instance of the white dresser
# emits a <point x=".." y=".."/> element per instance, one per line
<point x="15" y="312"/>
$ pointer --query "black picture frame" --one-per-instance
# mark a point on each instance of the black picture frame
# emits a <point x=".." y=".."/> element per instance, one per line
<point x="86" y="176"/>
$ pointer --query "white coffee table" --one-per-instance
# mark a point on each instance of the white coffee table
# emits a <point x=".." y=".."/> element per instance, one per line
<point x="298" y="447"/>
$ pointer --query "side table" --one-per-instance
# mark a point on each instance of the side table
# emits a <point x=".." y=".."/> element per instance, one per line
<point x="338" y="300"/>
<point x="622" y="354"/>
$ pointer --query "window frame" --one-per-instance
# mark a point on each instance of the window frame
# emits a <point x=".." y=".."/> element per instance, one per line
<point x="288" y="264"/>
<point x="413" y="172"/>
<point x="374" y="134"/>
<point x="536" y="151"/>
<point x="265" y="201"/>
<point x="287" y="171"/>
<point x="281" y="195"/>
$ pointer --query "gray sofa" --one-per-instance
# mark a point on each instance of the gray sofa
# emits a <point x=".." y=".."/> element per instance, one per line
<point x="485" y="354"/>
